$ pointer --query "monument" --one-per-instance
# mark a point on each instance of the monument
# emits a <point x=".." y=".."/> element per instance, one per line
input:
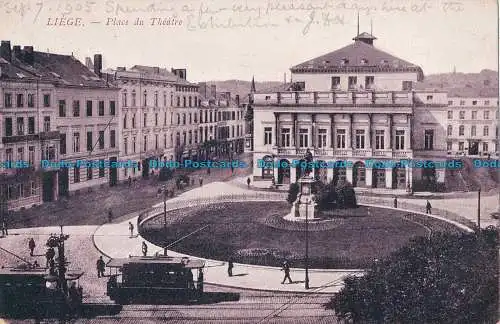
<point x="304" y="206"/>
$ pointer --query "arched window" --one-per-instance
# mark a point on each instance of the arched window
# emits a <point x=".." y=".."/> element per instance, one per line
<point x="178" y="119"/>
<point x="145" y="100"/>
<point x="183" y="119"/>
<point x="461" y="130"/>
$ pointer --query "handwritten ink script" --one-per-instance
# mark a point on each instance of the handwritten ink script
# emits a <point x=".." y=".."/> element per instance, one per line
<point x="305" y="15"/>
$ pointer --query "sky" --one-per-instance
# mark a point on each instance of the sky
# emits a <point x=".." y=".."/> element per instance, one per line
<point x="238" y="39"/>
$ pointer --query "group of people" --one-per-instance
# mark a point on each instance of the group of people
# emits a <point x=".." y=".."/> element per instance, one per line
<point x="285" y="267"/>
<point x="428" y="206"/>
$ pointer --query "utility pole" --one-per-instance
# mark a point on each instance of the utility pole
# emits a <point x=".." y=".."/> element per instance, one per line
<point x="165" y="192"/>
<point x="307" y="247"/>
<point x="479" y="209"/>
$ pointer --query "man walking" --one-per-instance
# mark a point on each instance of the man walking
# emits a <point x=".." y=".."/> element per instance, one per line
<point x="4" y="228"/>
<point x="110" y="216"/>
<point x="100" y="267"/>
<point x="144" y="249"/>
<point x="395" y="202"/>
<point x="230" y="267"/>
<point x="31" y="245"/>
<point x="286" y="268"/>
<point x="248" y="182"/>
<point x="201" y="181"/>
<point x="131" y="229"/>
<point x="428" y="208"/>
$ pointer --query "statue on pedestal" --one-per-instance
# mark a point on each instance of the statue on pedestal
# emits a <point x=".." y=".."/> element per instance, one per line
<point x="308" y="158"/>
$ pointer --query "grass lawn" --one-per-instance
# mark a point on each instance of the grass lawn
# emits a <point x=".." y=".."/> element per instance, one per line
<point x="241" y="230"/>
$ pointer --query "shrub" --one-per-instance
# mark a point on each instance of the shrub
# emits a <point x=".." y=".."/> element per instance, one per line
<point x="346" y="196"/>
<point x="293" y="192"/>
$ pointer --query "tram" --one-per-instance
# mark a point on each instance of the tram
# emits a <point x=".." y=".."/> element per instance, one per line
<point x="32" y="291"/>
<point x="154" y="279"/>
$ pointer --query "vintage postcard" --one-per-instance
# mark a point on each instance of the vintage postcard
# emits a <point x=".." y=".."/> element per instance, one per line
<point x="237" y="161"/>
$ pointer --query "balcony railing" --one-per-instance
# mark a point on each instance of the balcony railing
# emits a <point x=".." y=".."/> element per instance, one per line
<point x="344" y="153"/>
<point x="49" y="135"/>
<point x="333" y="98"/>
<point x="20" y="138"/>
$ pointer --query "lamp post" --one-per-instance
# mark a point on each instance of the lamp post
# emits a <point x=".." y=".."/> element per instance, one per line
<point x="165" y="192"/>
<point x="479" y="210"/>
<point x="307" y="246"/>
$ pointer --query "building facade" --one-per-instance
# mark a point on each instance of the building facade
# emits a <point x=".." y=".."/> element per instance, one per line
<point x="472" y="126"/>
<point x="356" y="111"/>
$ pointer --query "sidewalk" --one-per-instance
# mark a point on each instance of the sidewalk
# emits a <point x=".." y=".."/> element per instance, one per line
<point x="114" y="242"/>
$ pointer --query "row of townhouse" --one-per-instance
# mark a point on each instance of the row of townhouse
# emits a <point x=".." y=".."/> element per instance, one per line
<point x="64" y="123"/>
<point x="359" y="104"/>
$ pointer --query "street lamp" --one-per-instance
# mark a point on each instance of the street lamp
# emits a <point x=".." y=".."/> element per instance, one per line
<point x="165" y="193"/>
<point x="308" y="201"/>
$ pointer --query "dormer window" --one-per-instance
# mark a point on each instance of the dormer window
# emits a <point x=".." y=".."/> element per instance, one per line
<point x="384" y="62"/>
<point x="344" y="61"/>
<point x="364" y="61"/>
<point x="429" y="97"/>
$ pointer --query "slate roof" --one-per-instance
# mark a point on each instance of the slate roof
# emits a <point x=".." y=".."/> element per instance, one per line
<point x="161" y="71"/>
<point x="357" y="57"/>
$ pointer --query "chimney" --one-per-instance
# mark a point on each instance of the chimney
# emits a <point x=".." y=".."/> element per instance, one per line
<point x="17" y="52"/>
<point x="29" y="56"/>
<point x="89" y="64"/>
<point x="238" y="100"/>
<point x="98" y="64"/>
<point x="5" y="51"/>
<point x="181" y="73"/>
<point x="213" y="91"/>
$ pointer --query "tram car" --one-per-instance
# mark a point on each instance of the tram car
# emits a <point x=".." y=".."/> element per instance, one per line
<point x="154" y="279"/>
<point x="28" y="291"/>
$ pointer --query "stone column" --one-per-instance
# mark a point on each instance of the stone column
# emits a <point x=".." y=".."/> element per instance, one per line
<point x="329" y="174"/>
<point x="348" y="174"/>
<point x="369" y="177"/>
<point x="276" y="129"/>
<point x="388" y="178"/>
<point x="293" y="174"/>
<point x="390" y="132"/>
<point x="350" y="141"/>
<point x="332" y="131"/>
<point x="369" y="131"/>
<point x="410" y="128"/>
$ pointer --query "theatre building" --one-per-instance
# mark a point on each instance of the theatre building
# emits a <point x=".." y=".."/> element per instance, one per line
<point x="353" y="104"/>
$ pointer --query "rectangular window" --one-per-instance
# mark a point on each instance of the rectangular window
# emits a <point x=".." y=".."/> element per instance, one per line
<point x="353" y="81"/>
<point x="133" y="99"/>
<point x="76" y="174"/>
<point x="156" y="140"/>
<point x="450" y="114"/>
<point x="156" y="119"/>
<point x="76" y="142"/>
<point x="134" y="142"/>
<point x="462" y="114"/>
<point x="101" y="140"/>
<point x="133" y="121"/>
<point x="46" y="100"/>
<point x="285" y="137"/>
<point x="145" y="119"/>
<point x="486" y="114"/>
<point x="379" y="139"/>
<point x="369" y="82"/>
<point x="7" y="100"/>
<point x="9" y="155"/>
<point x="31" y="155"/>
<point x="486" y="102"/>
<point x="102" y="172"/>
<point x="20" y="100"/>
<point x="461" y="130"/>
<point x="400" y="140"/>
<point x="112" y="108"/>
<point x="8" y="126"/>
<point x="31" y="100"/>
<point x="449" y="146"/>
<point x="112" y="138"/>
<point x="90" y="145"/>
<point x="335" y="83"/>
<point x="450" y="102"/>
<point x="62" y="143"/>
<point x="125" y="145"/>
<point x="165" y="140"/>
<point x="31" y="125"/>
<point x="449" y="130"/>
<point x="268" y="135"/>
<point x="20" y="126"/>
<point x="341" y="136"/>
<point x="473" y="130"/>
<point x="473" y="115"/>
<point x="101" y="108"/>
<point x="46" y="124"/>
<point x="486" y="131"/>
<point x="460" y="146"/>
<point x="462" y="102"/>
<point x="165" y="119"/>
<point x="303" y="137"/>
<point x="20" y="154"/>
<point x="321" y="138"/>
<point x="360" y="138"/>
<point x="76" y="108"/>
<point x="146" y="142"/>
<point x="89" y="108"/>
<point x="156" y="99"/>
<point x="474" y="102"/>
<point x="407" y="85"/>
<point x="62" y="108"/>
<point x="124" y="99"/>
<point x="429" y="139"/>
<point x="485" y="147"/>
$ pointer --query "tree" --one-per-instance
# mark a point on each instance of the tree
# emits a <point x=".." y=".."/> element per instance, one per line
<point x="447" y="278"/>
<point x="293" y="192"/>
<point x="346" y="196"/>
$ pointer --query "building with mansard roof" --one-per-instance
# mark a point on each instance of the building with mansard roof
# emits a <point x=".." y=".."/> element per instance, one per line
<point x="56" y="112"/>
<point x="354" y="106"/>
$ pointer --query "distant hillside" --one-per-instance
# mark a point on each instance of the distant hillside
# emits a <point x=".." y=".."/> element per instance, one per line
<point x="483" y="84"/>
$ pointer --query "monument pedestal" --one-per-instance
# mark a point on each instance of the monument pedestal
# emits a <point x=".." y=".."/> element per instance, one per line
<point x="304" y="207"/>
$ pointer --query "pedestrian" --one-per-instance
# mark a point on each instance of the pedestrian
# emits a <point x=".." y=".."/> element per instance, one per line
<point x="395" y="202"/>
<point x="230" y="267"/>
<point x="131" y="229"/>
<point x="208" y="170"/>
<point x="100" y="265"/>
<point x="49" y="256"/>
<point x="192" y="181"/>
<point x="144" y="249"/>
<point x="428" y="208"/>
<point x="201" y="181"/>
<point x="232" y="168"/>
<point x="35" y="264"/>
<point x="4" y="228"/>
<point x="110" y="215"/>
<point x="31" y="246"/>
<point x="248" y="182"/>
<point x="129" y="181"/>
<point x="200" y="281"/>
<point x="286" y="269"/>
